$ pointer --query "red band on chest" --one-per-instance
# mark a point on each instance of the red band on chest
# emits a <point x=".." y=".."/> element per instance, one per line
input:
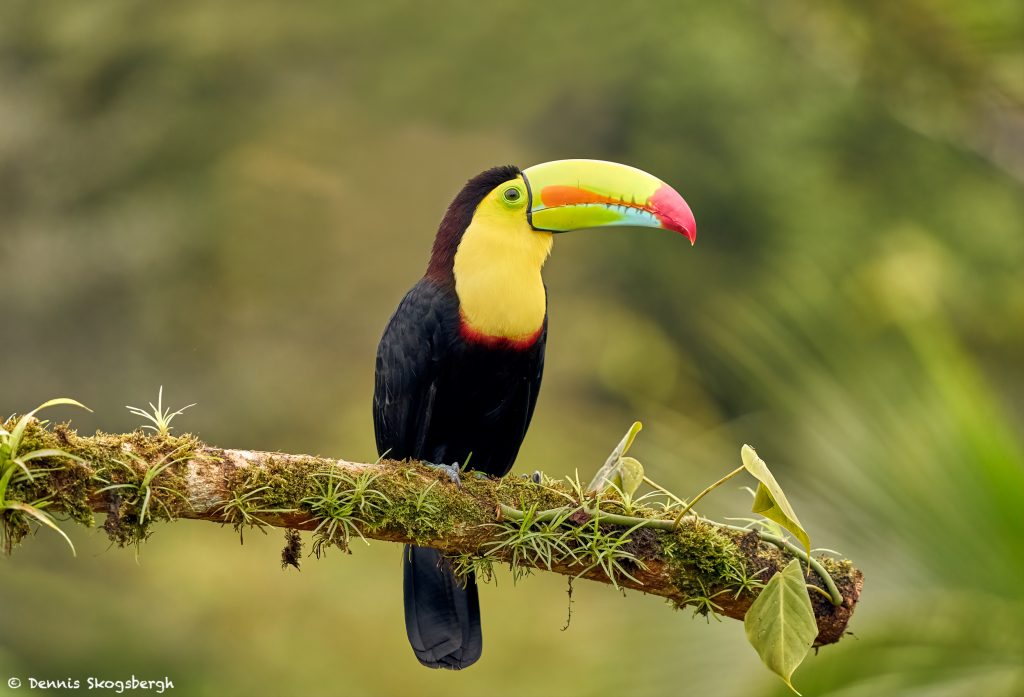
<point x="478" y="338"/>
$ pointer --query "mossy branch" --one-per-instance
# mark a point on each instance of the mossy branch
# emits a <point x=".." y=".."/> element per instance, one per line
<point x="138" y="479"/>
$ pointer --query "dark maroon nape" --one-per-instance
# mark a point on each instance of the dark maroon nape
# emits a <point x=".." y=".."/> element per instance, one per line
<point x="459" y="215"/>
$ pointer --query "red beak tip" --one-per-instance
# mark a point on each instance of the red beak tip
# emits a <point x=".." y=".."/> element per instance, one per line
<point x="673" y="212"/>
<point x="688" y="229"/>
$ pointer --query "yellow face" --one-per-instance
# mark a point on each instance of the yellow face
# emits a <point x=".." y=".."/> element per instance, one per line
<point x="498" y="264"/>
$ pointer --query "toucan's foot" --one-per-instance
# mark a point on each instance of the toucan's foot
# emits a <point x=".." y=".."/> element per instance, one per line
<point x="451" y="471"/>
<point x="536" y="477"/>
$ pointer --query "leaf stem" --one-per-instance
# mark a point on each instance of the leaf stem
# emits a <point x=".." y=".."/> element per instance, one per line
<point x="782" y="543"/>
<point x="663" y="490"/>
<point x="707" y="490"/>
<point x="604" y="517"/>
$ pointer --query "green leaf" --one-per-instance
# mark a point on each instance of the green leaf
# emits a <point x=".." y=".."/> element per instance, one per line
<point x="19" y="428"/>
<point x="629" y="475"/>
<point x="24" y="468"/>
<point x="50" y="452"/>
<point x="769" y="500"/>
<point x="5" y="480"/>
<point x="780" y="624"/>
<point x="42" y="518"/>
<point x="611" y="465"/>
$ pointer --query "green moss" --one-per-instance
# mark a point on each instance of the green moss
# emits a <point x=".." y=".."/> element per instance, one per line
<point x="703" y="562"/>
<point x="392" y="497"/>
<point x="143" y="484"/>
<point x="258" y="492"/>
<point x="59" y="486"/>
<point x="134" y="501"/>
<point x="421" y="503"/>
<point x="286" y="482"/>
<point x="523" y="493"/>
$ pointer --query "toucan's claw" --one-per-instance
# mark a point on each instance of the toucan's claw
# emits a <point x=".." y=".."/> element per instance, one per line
<point x="451" y="471"/>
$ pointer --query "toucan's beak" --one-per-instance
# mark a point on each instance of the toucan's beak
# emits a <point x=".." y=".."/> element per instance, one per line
<point x="575" y="194"/>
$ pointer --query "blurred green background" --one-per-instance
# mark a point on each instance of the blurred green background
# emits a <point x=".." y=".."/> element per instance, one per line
<point x="229" y="199"/>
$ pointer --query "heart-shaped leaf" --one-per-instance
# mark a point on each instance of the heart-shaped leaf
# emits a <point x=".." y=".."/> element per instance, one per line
<point x="769" y="500"/>
<point x="780" y="624"/>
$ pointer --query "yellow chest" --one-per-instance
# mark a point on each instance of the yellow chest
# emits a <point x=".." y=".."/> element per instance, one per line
<point x="498" y="279"/>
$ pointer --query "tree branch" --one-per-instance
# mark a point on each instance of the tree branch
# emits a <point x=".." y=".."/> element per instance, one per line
<point x="138" y="479"/>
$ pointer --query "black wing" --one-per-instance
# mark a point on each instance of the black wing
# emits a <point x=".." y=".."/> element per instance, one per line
<point x="537" y="376"/>
<point x="409" y="356"/>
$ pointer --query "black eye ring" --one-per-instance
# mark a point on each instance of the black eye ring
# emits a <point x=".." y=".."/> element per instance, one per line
<point x="512" y="194"/>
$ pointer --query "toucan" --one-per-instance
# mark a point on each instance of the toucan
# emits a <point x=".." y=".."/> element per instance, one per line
<point x="459" y="365"/>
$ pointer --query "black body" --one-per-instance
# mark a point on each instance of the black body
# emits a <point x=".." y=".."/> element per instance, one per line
<point x="440" y="396"/>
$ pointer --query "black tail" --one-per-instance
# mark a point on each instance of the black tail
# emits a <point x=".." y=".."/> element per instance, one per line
<point x="442" y="617"/>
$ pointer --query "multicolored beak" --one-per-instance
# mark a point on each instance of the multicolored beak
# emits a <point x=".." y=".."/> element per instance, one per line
<point x="576" y="194"/>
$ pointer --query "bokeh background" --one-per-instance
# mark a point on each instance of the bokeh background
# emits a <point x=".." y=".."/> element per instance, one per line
<point x="229" y="199"/>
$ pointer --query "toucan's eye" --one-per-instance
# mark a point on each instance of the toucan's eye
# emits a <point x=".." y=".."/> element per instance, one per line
<point x="512" y="194"/>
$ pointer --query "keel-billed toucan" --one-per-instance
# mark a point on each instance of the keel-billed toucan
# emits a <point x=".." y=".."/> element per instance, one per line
<point x="460" y="362"/>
